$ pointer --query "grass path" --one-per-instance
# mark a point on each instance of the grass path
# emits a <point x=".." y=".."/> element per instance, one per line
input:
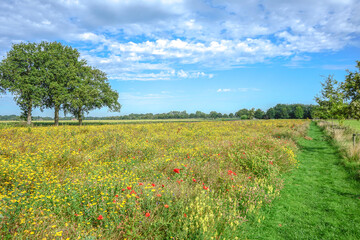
<point x="319" y="201"/>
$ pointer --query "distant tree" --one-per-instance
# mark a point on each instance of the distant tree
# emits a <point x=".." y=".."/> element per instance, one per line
<point x="91" y="90"/>
<point x="242" y="112"/>
<point x="259" y="114"/>
<point x="244" y="117"/>
<point x="23" y="74"/>
<point x="270" y="113"/>
<point x="299" y="112"/>
<point x="213" y="114"/>
<point x="281" y="111"/>
<point x="200" y="114"/>
<point x="351" y="88"/>
<point x="331" y="100"/>
<point x="231" y="115"/>
<point x="251" y="113"/>
<point x="225" y="115"/>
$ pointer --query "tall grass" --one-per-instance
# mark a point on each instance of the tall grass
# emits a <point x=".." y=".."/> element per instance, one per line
<point x="342" y="136"/>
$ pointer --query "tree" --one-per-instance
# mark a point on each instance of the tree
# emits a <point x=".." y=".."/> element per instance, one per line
<point x="231" y="115"/>
<point x="251" y="113"/>
<point x="62" y="66"/>
<point x="331" y="100"/>
<point x="259" y="114"/>
<point x="270" y="113"/>
<point x="91" y="90"/>
<point x="299" y="112"/>
<point x="242" y="112"/>
<point x="23" y="74"/>
<point x="351" y="88"/>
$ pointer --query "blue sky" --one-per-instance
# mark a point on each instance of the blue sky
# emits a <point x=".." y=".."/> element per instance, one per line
<point x="222" y="55"/>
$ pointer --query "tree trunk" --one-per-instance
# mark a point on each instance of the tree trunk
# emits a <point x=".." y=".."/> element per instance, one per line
<point x="29" y="114"/>
<point x="80" y="120"/>
<point x="56" y="118"/>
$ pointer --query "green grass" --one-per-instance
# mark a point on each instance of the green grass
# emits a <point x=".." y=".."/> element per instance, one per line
<point x="319" y="200"/>
<point x="355" y="124"/>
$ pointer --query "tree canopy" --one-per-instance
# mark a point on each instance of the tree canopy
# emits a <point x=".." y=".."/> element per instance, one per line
<point x="51" y="75"/>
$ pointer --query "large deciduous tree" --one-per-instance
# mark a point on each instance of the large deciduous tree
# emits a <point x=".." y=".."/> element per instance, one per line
<point x="351" y="88"/>
<point x="22" y="73"/>
<point x="62" y="65"/>
<point x="90" y="90"/>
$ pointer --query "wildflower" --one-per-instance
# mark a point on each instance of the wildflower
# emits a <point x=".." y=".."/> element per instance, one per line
<point x="116" y="195"/>
<point x="163" y="185"/>
<point x="100" y="217"/>
<point x="166" y="206"/>
<point x="194" y="180"/>
<point x="271" y="163"/>
<point x="114" y="201"/>
<point x="153" y="185"/>
<point x="129" y="188"/>
<point x="185" y="215"/>
<point x="158" y="195"/>
<point x="140" y="184"/>
<point x="123" y="189"/>
<point x="147" y="214"/>
<point x="177" y="170"/>
<point x="206" y="188"/>
<point x="132" y="192"/>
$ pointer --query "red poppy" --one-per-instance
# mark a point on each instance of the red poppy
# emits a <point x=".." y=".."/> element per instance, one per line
<point x="194" y="180"/>
<point x="178" y="182"/>
<point x="206" y="188"/>
<point x="123" y="189"/>
<point x="177" y="170"/>
<point x="153" y="185"/>
<point x="76" y="214"/>
<point x="185" y="215"/>
<point x="249" y="177"/>
<point x="163" y="185"/>
<point x="271" y="163"/>
<point x="141" y="184"/>
<point x="116" y="195"/>
<point x="147" y="214"/>
<point x="114" y="201"/>
<point x="100" y="217"/>
<point x="129" y="188"/>
<point x="158" y="195"/>
<point x="167" y="206"/>
<point x="132" y="192"/>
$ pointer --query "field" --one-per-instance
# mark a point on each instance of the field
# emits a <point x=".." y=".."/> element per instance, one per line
<point x="355" y="124"/>
<point x="198" y="180"/>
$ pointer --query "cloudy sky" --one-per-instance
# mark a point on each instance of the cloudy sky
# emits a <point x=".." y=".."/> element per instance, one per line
<point x="222" y="55"/>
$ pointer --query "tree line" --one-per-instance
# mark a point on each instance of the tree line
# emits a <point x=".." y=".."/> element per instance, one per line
<point x="280" y="111"/>
<point x="51" y="75"/>
<point x="339" y="100"/>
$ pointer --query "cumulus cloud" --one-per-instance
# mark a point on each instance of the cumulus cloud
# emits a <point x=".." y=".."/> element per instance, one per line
<point x="129" y="37"/>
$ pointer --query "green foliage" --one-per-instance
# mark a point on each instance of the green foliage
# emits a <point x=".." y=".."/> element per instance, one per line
<point x="259" y="114"/>
<point x="299" y="112"/>
<point x="331" y="100"/>
<point x="351" y="88"/>
<point x="90" y="90"/>
<point x="22" y="73"/>
<point x="242" y="112"/>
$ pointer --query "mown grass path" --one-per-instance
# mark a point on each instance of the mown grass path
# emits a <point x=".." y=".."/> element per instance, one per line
<point x="319" y="200"/>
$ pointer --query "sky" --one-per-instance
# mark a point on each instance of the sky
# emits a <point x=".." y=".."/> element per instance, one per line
<point x="207" y="55"/>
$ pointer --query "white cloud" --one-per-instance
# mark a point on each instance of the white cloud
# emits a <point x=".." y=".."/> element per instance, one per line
<point x="130" y="37"/>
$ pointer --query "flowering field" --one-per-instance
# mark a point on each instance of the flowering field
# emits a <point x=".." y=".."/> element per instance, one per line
<point x="155" y="181"/>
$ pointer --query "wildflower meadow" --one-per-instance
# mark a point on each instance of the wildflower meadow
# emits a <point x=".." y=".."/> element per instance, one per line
<point x="200" y="180"/>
